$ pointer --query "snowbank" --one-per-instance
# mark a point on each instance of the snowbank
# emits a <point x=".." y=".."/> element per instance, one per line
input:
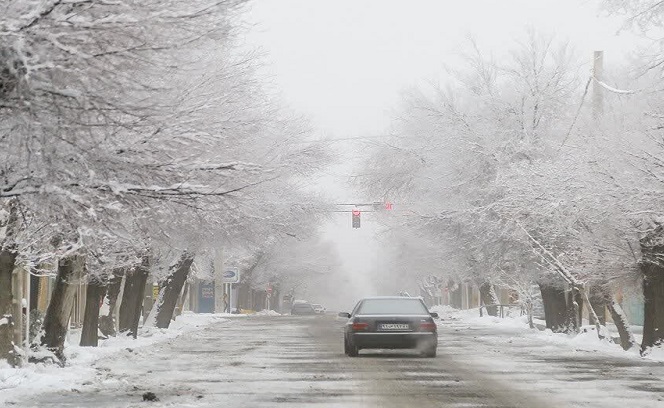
<point x="34" y="378"/>
<point x="587" y="340"/>
<point x="232" y="315"/>
<point x="268" y="313"/>
<point x="656" y="354"/>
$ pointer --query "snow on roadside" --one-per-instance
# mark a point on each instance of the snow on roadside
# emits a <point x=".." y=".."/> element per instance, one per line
<point x="656" y="354"/>
<point x="267" y="313"/>
<point x="38" y="378"/>
<point x="586" y="340"/>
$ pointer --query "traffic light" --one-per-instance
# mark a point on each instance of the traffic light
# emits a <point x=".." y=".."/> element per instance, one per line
<point x="356" y="218"/>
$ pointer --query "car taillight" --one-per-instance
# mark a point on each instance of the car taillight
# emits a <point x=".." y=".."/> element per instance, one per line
<point x="360" y="326"/>
<point x="428" y="326"/>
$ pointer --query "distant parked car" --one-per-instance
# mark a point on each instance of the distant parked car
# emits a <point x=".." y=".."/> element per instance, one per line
<point x="390" y="323"/>
<point x="319" y="308"/>
<point x="303" y="309"/>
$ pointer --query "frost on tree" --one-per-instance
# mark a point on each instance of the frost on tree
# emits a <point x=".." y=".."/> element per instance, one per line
<point x="157" y="137"/>
<point x="497" y="191"/>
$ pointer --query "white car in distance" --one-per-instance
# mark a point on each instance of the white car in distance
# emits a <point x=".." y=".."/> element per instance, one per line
<point x="319" y="309"/>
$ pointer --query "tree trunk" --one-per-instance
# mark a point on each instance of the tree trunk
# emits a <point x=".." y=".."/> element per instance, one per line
<point x="529" y="313"/>
<point x="455" y="295"/>
<point x="132" y="298"/>
<point x="653" y="293"/>
<point x="8" y="252"/>
<point x="148" y="301"/>
<point x="107" y="322"/>
<point x="56" y="321"/>
<point x="427" y="286"/>
<point x="171" y="289"/>
<point x="555" y="308"/>
<point x="255" y="301"/>
<point x="652" y="253"/>
<point x="243" y="296"/>
<point x="276" y="295"/>
<point x="180" y="303"/>
<point x="598" y="301"/>
<point x="94" y="296"/>
<point x="574" y="313"/>
<point x="627" y="340"/>
<point x="35" y="285"/>
<point x="489" y="297"/>
<point x="7" y="262"/>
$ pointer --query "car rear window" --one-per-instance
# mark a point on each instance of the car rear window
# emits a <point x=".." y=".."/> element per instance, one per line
<point x="392" y="306"/>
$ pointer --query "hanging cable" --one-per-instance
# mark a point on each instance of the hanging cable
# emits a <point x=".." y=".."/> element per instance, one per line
<point x="578" y="111"/>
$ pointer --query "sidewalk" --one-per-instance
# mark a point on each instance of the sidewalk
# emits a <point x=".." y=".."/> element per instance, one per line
<point x="587" y="339"/>
<point x="589" y="369"/>
<point x="41" y="378"/>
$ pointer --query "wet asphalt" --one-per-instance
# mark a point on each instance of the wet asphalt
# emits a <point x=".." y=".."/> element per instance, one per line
<point x="299" y="362"/>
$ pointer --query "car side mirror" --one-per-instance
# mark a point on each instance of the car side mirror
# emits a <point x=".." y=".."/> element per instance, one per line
<point x="434" y="315"/>
<point x="344" y="314"/>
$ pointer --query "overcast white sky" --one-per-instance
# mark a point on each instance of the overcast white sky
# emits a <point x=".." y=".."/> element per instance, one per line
<point x="343" y="63"/>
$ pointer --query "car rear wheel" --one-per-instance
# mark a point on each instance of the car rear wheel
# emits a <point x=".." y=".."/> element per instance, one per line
<point x="350" y="349"/>
<point x="429" y="352"/>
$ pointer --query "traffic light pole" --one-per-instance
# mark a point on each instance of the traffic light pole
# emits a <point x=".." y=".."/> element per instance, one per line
<point x="356" y="220"/>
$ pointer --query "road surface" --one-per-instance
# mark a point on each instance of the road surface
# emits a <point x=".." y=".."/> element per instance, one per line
<point x="299" y="362"/>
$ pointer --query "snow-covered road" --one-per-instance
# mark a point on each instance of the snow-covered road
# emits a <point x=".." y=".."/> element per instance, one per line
<point x="266" y="361"/>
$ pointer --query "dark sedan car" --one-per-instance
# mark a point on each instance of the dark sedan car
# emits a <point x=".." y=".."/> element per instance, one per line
<point x="390" y="323"/>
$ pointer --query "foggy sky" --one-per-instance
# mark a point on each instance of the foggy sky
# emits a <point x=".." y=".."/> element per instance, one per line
<point x="344" y="62"/>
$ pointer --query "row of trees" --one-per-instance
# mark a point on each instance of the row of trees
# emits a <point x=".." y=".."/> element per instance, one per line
<point x="303" y="267"/>
<point x="135" y="141"/>
<point x="512" y="175"/>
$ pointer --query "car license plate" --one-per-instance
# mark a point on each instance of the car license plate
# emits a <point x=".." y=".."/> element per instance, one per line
<point x="394" y="326"/>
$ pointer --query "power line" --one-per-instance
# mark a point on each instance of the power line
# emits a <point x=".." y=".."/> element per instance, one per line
<point x="363" y="205"/>
<point x="344" y="139"/>
<point x="350" y="211"/>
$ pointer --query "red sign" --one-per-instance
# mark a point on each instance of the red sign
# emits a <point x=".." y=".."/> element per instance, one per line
<point x="388" y="206"/>
<point x="356" y="212"/>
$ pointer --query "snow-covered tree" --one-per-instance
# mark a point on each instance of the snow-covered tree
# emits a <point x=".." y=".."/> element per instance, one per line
<point x="639" y="112"/>
<point x="467" y="154"/>
<point x="133" y="131"/>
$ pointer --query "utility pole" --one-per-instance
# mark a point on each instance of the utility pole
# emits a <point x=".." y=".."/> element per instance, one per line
<point x="598" y="68"/>
<point x="230" y="298"/>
